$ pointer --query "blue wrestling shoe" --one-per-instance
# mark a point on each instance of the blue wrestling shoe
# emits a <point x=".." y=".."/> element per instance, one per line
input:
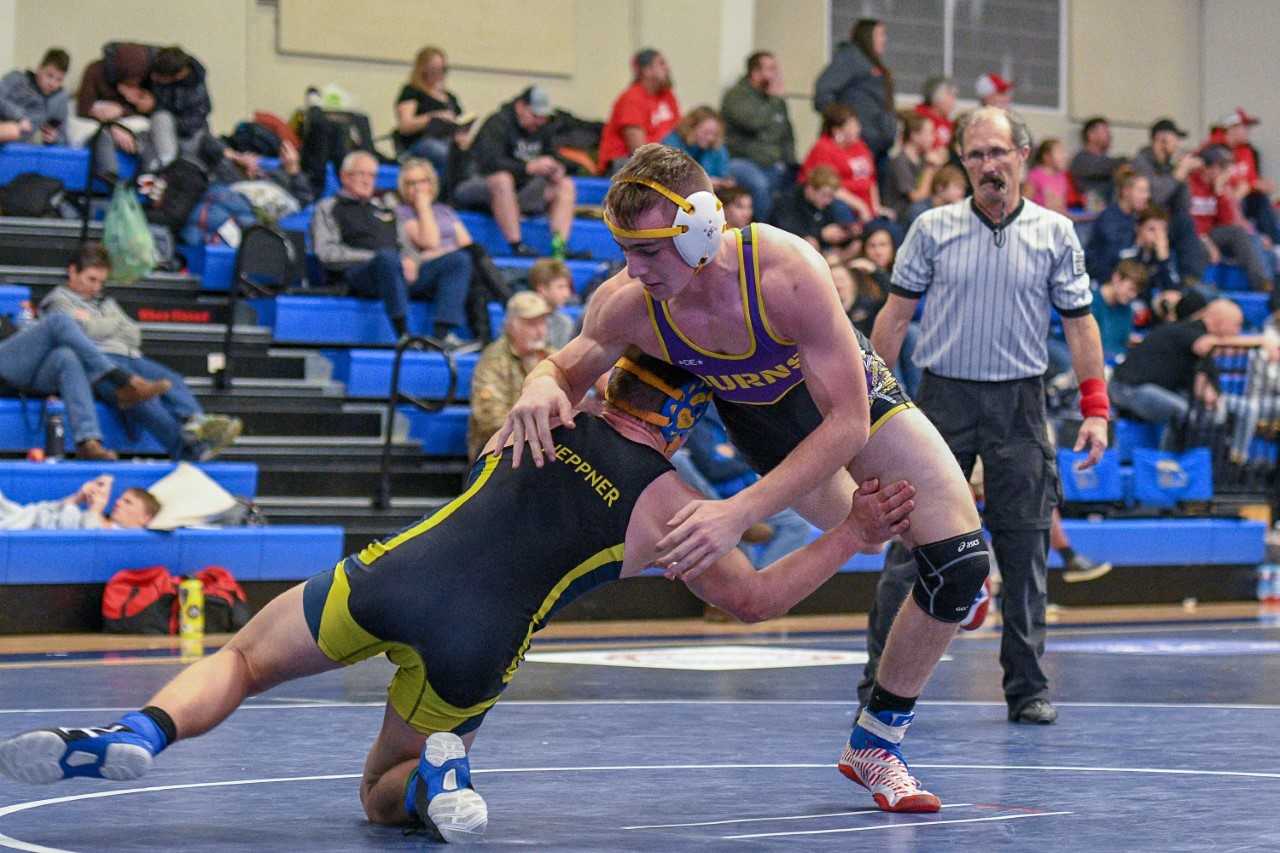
<point x="873" y="759"/>
<point x="118" y="752"/>
<point x="440" y="795"/>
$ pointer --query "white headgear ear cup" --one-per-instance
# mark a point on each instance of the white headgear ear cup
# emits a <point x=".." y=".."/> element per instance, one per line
<point x="705" y="224"/>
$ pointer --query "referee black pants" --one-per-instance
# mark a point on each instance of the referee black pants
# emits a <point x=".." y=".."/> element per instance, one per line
<point x="1005" y="424"/>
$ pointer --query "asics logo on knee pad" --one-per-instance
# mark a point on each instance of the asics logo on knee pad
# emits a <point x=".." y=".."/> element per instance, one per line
<point x="972" y="543"/>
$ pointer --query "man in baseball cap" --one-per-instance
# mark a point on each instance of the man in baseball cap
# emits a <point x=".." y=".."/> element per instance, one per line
<point x="503" y="366"/>
<point x="994" y="90"/>
<point x="1253" y="190"/>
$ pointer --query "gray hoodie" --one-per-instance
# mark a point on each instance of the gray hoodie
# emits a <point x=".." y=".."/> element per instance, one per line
<point x="107" y="325"/>
<point x="21" y="98"/>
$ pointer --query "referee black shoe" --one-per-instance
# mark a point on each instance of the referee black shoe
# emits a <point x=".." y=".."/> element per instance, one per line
<point x="1038" y="711"/>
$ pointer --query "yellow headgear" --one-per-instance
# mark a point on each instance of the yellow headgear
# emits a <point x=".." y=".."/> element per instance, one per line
<point x="697" y="228"/>
<point x="680" y="411"/>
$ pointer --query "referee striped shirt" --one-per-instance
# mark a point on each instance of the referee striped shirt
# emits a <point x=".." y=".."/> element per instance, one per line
<point x="988" y="308"/>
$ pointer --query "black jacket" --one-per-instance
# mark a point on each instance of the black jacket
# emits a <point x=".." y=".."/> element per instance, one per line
<point x="187" y="99"/>
<point x="503" y="146"/>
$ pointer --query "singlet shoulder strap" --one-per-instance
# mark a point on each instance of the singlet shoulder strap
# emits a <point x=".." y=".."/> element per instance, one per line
<point x="750" y="257"/>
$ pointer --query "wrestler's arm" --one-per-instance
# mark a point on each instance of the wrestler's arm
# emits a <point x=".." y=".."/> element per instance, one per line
<point x="803" y="307"/>
<point x="559" y="382"/>
<point x="732" y="583"/>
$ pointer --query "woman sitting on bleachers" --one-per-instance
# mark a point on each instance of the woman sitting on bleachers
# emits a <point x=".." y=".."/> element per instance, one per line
<point x="428" y="114"/>
<point x="700" y="134"/>
<point x="434" y="238"/>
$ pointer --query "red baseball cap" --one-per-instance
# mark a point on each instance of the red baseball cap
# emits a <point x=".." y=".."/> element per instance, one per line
<point x="992" y="84"/>
<point x="1238" y="117"/>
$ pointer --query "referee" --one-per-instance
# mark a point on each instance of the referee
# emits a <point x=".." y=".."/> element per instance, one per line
<point x="995" y="266"/>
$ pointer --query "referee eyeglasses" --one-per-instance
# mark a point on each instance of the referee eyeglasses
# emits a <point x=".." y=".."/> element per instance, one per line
<point x="977" y="156"/>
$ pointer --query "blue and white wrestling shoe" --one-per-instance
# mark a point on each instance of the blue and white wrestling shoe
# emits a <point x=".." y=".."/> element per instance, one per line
<point x="440" y="795"/>
<point x="873" y="759"/>
<point x="121" y="751"/>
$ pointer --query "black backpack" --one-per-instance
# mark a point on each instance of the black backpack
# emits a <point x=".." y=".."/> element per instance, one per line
<point x="31" y="194"/>
<point x="181" y="186"/>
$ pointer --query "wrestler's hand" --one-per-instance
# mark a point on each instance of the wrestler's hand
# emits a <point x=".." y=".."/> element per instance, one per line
<point x="879" y="514"/>
<point x="704" y="531"/>
<point x="1093" y="435"/>
<point x="530" y="420"/>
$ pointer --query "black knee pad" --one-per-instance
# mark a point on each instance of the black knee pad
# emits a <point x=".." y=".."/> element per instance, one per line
<point x="950" y="574"/>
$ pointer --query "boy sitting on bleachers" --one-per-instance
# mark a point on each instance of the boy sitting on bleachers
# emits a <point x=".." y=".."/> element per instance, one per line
<point x="176" y="419"/>
<point x="84" y="510"/>
<point x="551" y="279"/>
<point x="33" y="105"/>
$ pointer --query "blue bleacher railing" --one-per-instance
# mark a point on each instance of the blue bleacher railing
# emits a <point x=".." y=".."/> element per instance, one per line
<point x="382" y="498"/>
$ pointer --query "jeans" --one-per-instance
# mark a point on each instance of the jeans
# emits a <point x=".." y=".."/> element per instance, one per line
<point x="1246" y="250"/>
<point x="761" y="181"/>
<point x="381" y="277"/>
<point x="433" y="149"/>
<point x="168" y="146"/>
<point x="54" y="356"/>
<point x="1154" y="404"/>
<point x="161" y="416"/>
<point x="445" y="280"/>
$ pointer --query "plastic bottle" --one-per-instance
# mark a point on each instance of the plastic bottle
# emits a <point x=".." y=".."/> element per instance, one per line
<point x="55" y="436"/>
<point x="191" y="609"/>
<point x="1266" y="589"/>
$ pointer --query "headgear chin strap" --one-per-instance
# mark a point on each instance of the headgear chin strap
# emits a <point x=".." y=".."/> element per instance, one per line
<point x="680" y="411"/>
<point x="697" y="229"/>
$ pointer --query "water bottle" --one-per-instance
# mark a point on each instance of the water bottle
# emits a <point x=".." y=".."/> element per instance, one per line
<point x="191" y="609"/>
<point x="55" y="436"/>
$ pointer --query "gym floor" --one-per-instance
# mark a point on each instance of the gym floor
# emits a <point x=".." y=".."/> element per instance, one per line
<point x="657" y="736"/>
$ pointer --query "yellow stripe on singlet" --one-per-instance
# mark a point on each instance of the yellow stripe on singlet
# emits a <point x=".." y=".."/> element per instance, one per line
<point x="603" y="557"/>
<point x="746" y="317"/>
<point x="755" y="265"/>
<point x="378" y="549"/>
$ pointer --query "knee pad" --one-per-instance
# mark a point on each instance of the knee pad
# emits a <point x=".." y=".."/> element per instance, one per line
<point x="950" y="573"/>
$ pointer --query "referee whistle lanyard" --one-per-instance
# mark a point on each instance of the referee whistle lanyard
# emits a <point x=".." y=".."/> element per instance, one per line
<point x="679" y="412"/>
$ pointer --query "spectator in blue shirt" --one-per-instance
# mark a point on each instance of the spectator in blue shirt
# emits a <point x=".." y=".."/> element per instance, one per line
<point x="700" y="134"/>
<point x="1112" y="306"/>
<point x="1151" y="249"/>
<point x="1116" y="227"/>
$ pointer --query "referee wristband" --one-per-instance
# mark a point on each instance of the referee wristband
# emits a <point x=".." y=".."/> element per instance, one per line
<point x="1094" y="402"/>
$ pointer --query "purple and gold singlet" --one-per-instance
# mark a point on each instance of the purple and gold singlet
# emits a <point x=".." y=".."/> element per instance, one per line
<point x="765" y="372"/>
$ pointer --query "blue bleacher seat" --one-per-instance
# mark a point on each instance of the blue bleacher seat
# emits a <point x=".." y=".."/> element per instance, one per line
<point x="1164" y="479"/>
<point x="22" y="427"/>
<point x="1226" y="277"/>
<point x="588" y="234"/>
<point x="277" y="553"/>
<point x="1101" y="483"/>
<point x="442" y="433"/>
<point x="11" y="298"/>
<point x="25" y="482"/>
<point x="1131" y="434"/>
<point x="215" y="263"/>
<point x="336" y="319"/>
<point x="591" y="190"/>
<point x="367" y="373"/>
<point x="69" y="165"/>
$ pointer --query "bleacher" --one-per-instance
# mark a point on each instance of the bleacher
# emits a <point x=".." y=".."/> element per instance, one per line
<point x="313" y="373"/>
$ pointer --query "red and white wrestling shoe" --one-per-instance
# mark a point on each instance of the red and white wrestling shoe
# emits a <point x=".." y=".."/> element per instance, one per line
<point x="873" y="759"/>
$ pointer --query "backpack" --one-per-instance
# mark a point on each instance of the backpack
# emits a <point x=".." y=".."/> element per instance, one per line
<point x="226" y="608"/>
<point x="179" y="187"/>
<point x="488" y="284"/>
<point x="31" y="194"/>
<point x="141" y="601"/>
<point x="251" y="136"/>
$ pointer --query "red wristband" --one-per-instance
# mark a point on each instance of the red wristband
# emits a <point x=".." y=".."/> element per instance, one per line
<point x="1094" y="402"/>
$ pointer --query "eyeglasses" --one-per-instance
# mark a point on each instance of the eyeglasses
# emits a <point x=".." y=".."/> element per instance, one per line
<point x="977" y="156"/>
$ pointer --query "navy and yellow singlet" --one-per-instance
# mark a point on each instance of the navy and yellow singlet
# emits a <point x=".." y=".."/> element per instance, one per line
<point x="454" y="599"/>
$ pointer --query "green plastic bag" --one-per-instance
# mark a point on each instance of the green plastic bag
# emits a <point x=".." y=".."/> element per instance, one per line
<point x="127" y="238"/>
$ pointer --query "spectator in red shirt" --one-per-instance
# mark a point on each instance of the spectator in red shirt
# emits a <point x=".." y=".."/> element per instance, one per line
<point x="1216" y="214"/>
<point x="841" y="147"/>
<point x="938" y="105"/>
<point x="1253" y="190"/>
<point x="645" y="112"/>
